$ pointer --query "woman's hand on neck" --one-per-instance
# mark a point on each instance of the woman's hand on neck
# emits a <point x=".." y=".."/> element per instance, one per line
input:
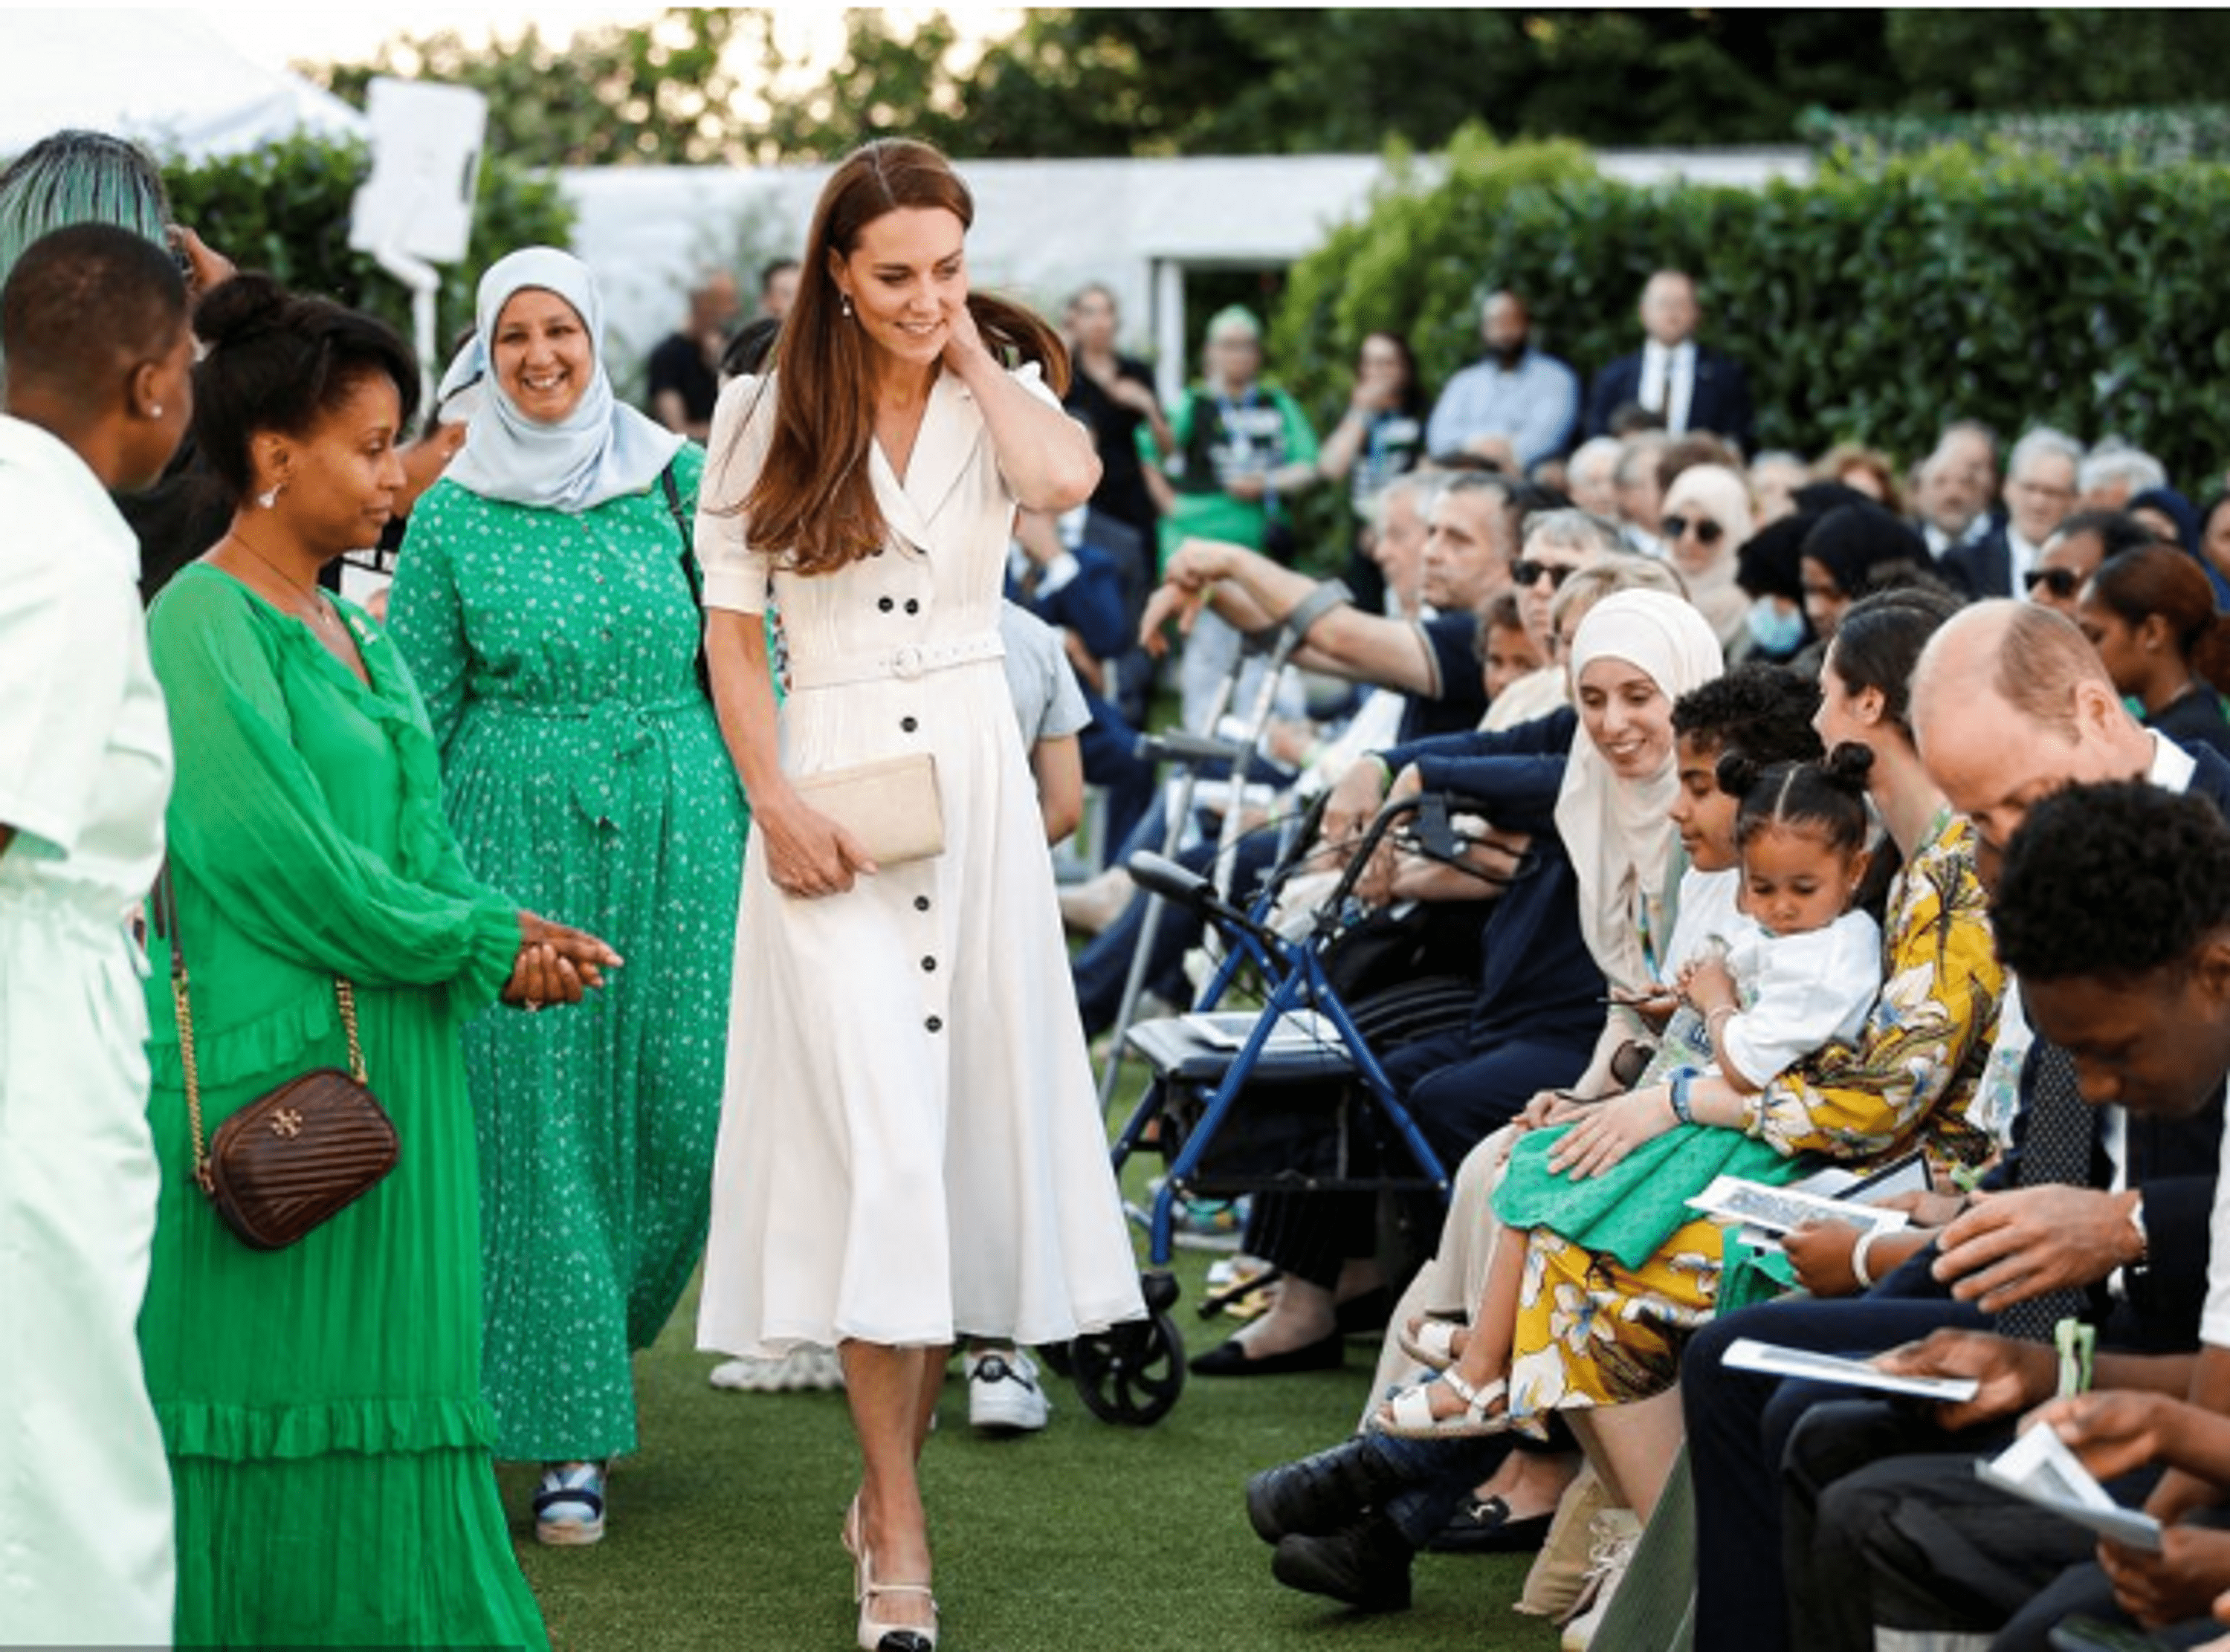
<point x="966" y="355"/>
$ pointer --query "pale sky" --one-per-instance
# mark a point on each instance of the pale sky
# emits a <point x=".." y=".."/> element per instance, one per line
<point x="321" y="33"/>
<point x="281" y="35"/>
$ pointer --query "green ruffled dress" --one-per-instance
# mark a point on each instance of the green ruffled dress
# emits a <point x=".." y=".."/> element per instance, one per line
<point x="321" y="1405"/>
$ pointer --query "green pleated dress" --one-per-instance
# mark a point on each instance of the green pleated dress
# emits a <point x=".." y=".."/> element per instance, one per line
<point x="585" y="776"/>
<point x="321" y="1406"/>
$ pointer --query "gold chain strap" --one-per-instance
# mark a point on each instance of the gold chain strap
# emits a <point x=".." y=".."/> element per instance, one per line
<point x="346" y="994"/>
<point x="178" y="1000"/>
<point x="343" y="992"/>
<point x="167" y="914"/>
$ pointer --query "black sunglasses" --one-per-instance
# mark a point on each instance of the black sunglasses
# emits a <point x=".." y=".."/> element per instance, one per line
<point x="1525" y="571"/>
<point x="1708" y="532"/>
<point x="2060" y="582"/>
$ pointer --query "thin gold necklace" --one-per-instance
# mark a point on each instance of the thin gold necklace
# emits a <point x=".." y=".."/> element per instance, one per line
<point x="321" y="609"/>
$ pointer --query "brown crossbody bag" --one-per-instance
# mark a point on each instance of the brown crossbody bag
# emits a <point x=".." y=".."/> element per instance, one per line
<point x="296" y="1156"/>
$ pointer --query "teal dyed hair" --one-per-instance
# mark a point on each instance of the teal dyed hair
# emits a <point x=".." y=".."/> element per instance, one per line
<point x="74" y="178"/>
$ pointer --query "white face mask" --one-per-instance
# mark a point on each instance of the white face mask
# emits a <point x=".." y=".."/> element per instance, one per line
<point x="1777" y="629"/>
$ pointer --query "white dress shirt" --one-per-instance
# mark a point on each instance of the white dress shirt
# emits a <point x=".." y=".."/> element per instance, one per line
<point x="1668" y="381"/>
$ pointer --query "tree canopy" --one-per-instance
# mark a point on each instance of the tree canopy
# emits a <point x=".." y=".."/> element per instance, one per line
<point x="710" y="84"/>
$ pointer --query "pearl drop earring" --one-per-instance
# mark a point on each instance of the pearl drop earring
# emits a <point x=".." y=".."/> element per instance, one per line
<point x="269" y="496"/>
<point x="845" y="301"/>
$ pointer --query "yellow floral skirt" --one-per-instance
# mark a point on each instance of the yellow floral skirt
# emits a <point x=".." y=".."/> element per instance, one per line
<point x="1592" y="1332"/>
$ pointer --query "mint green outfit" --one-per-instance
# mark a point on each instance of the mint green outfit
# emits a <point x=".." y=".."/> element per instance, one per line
<point x="321" y="1404"/>
<point x="586" y="775"/>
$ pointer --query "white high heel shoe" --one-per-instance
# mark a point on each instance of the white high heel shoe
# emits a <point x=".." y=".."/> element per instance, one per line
<point x="878" y="1636"/>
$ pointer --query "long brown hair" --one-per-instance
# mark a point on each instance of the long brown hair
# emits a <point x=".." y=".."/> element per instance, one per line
<point x="813" y="503"/>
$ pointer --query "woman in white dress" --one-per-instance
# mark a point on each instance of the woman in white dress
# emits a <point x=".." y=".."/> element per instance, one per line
<point x="910" y="1146"/>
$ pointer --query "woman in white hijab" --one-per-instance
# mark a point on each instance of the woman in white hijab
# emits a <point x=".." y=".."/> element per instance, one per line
<point x="1635" y="654"/>
<point x="1593" y="786"/>
<point x="1707" y="518"/>
<point x="547" y="605"/>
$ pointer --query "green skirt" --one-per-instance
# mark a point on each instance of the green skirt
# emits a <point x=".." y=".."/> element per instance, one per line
<point x="1630" y="1210"/>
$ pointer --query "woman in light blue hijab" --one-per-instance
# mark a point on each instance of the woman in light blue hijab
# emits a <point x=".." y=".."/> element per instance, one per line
<point x="547" y="604"/>
<point x="599" y="449"/>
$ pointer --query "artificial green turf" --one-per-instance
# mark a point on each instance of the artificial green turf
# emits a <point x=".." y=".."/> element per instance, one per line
<point x="723" y="1529"/>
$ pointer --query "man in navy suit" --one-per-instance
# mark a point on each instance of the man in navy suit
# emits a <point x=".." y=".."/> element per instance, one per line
<point x="2009" y="705"/>
<point x="1691" y="385"/>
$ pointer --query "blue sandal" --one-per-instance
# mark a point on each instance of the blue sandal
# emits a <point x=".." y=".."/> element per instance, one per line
<point x="569" y="1505"/>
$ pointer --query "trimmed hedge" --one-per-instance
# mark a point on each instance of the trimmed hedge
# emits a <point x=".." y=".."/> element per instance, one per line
<point x="2163" y="135"/>
<point x="284" y="208"/>
<point x="1871" y="304"/>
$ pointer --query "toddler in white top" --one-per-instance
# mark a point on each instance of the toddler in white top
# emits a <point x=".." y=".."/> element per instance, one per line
<point x="1801" y="970"/>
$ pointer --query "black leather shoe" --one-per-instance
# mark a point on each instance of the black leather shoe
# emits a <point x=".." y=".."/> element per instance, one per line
<point x="1365" y="1566"/>
<point x="1483" y="1526"/>
<point x="1320" y="1494"/>
<point x="1230" y="1359"/>
<point x="1367" y="1315"/>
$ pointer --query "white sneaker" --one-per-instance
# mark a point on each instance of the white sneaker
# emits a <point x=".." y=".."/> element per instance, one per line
<point x="1616" y="1535"/>
<point x="800" y="1369"/>
<point x="1003" y="1396"/>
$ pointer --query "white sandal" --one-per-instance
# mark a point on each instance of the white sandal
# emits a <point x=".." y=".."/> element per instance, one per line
<point x="1431" y="1342"/>
<point x="1408" y="1414"/>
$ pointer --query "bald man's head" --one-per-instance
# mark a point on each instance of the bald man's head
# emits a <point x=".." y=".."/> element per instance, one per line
<point x="2010" y="704"/>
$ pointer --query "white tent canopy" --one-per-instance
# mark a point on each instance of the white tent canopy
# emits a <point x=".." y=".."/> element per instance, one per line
<point x="1043" y="227"/>
<point x="165" y="78"/>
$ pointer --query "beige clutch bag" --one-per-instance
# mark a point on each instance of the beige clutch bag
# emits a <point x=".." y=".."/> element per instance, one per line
<point x="891" y="806"/>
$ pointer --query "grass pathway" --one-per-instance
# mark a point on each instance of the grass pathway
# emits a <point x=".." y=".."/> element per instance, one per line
<point x="1086" y="1538"/>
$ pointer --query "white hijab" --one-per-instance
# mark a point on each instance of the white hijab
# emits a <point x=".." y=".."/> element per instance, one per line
<point x="600" y="451"/>
<point x="1619" y="833"/>
<point x="1724" y="498"/>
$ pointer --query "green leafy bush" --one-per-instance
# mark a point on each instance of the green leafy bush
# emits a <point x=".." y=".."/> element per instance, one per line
<point x="285" y="208"/>
<point x="1871" y="304"/>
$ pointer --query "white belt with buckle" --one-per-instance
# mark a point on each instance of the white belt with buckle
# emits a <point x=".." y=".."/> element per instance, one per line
<point x="906" y="663"/>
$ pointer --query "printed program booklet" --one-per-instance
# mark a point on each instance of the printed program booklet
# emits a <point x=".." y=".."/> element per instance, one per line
<point x="1771" y="1359"/>
<point x="2039" y="1467"/>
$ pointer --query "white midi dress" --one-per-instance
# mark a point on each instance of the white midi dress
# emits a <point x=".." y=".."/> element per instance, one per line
<point x="910" y="1146"/>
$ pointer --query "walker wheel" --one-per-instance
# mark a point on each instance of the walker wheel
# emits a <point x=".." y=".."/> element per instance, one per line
<point x="1131" y="1374"/>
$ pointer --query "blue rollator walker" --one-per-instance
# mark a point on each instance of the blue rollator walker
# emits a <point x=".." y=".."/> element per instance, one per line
<point x="1305" y="1042"/>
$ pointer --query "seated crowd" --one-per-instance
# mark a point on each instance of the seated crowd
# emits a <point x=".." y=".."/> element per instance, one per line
<point x="1772" y="875"/>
